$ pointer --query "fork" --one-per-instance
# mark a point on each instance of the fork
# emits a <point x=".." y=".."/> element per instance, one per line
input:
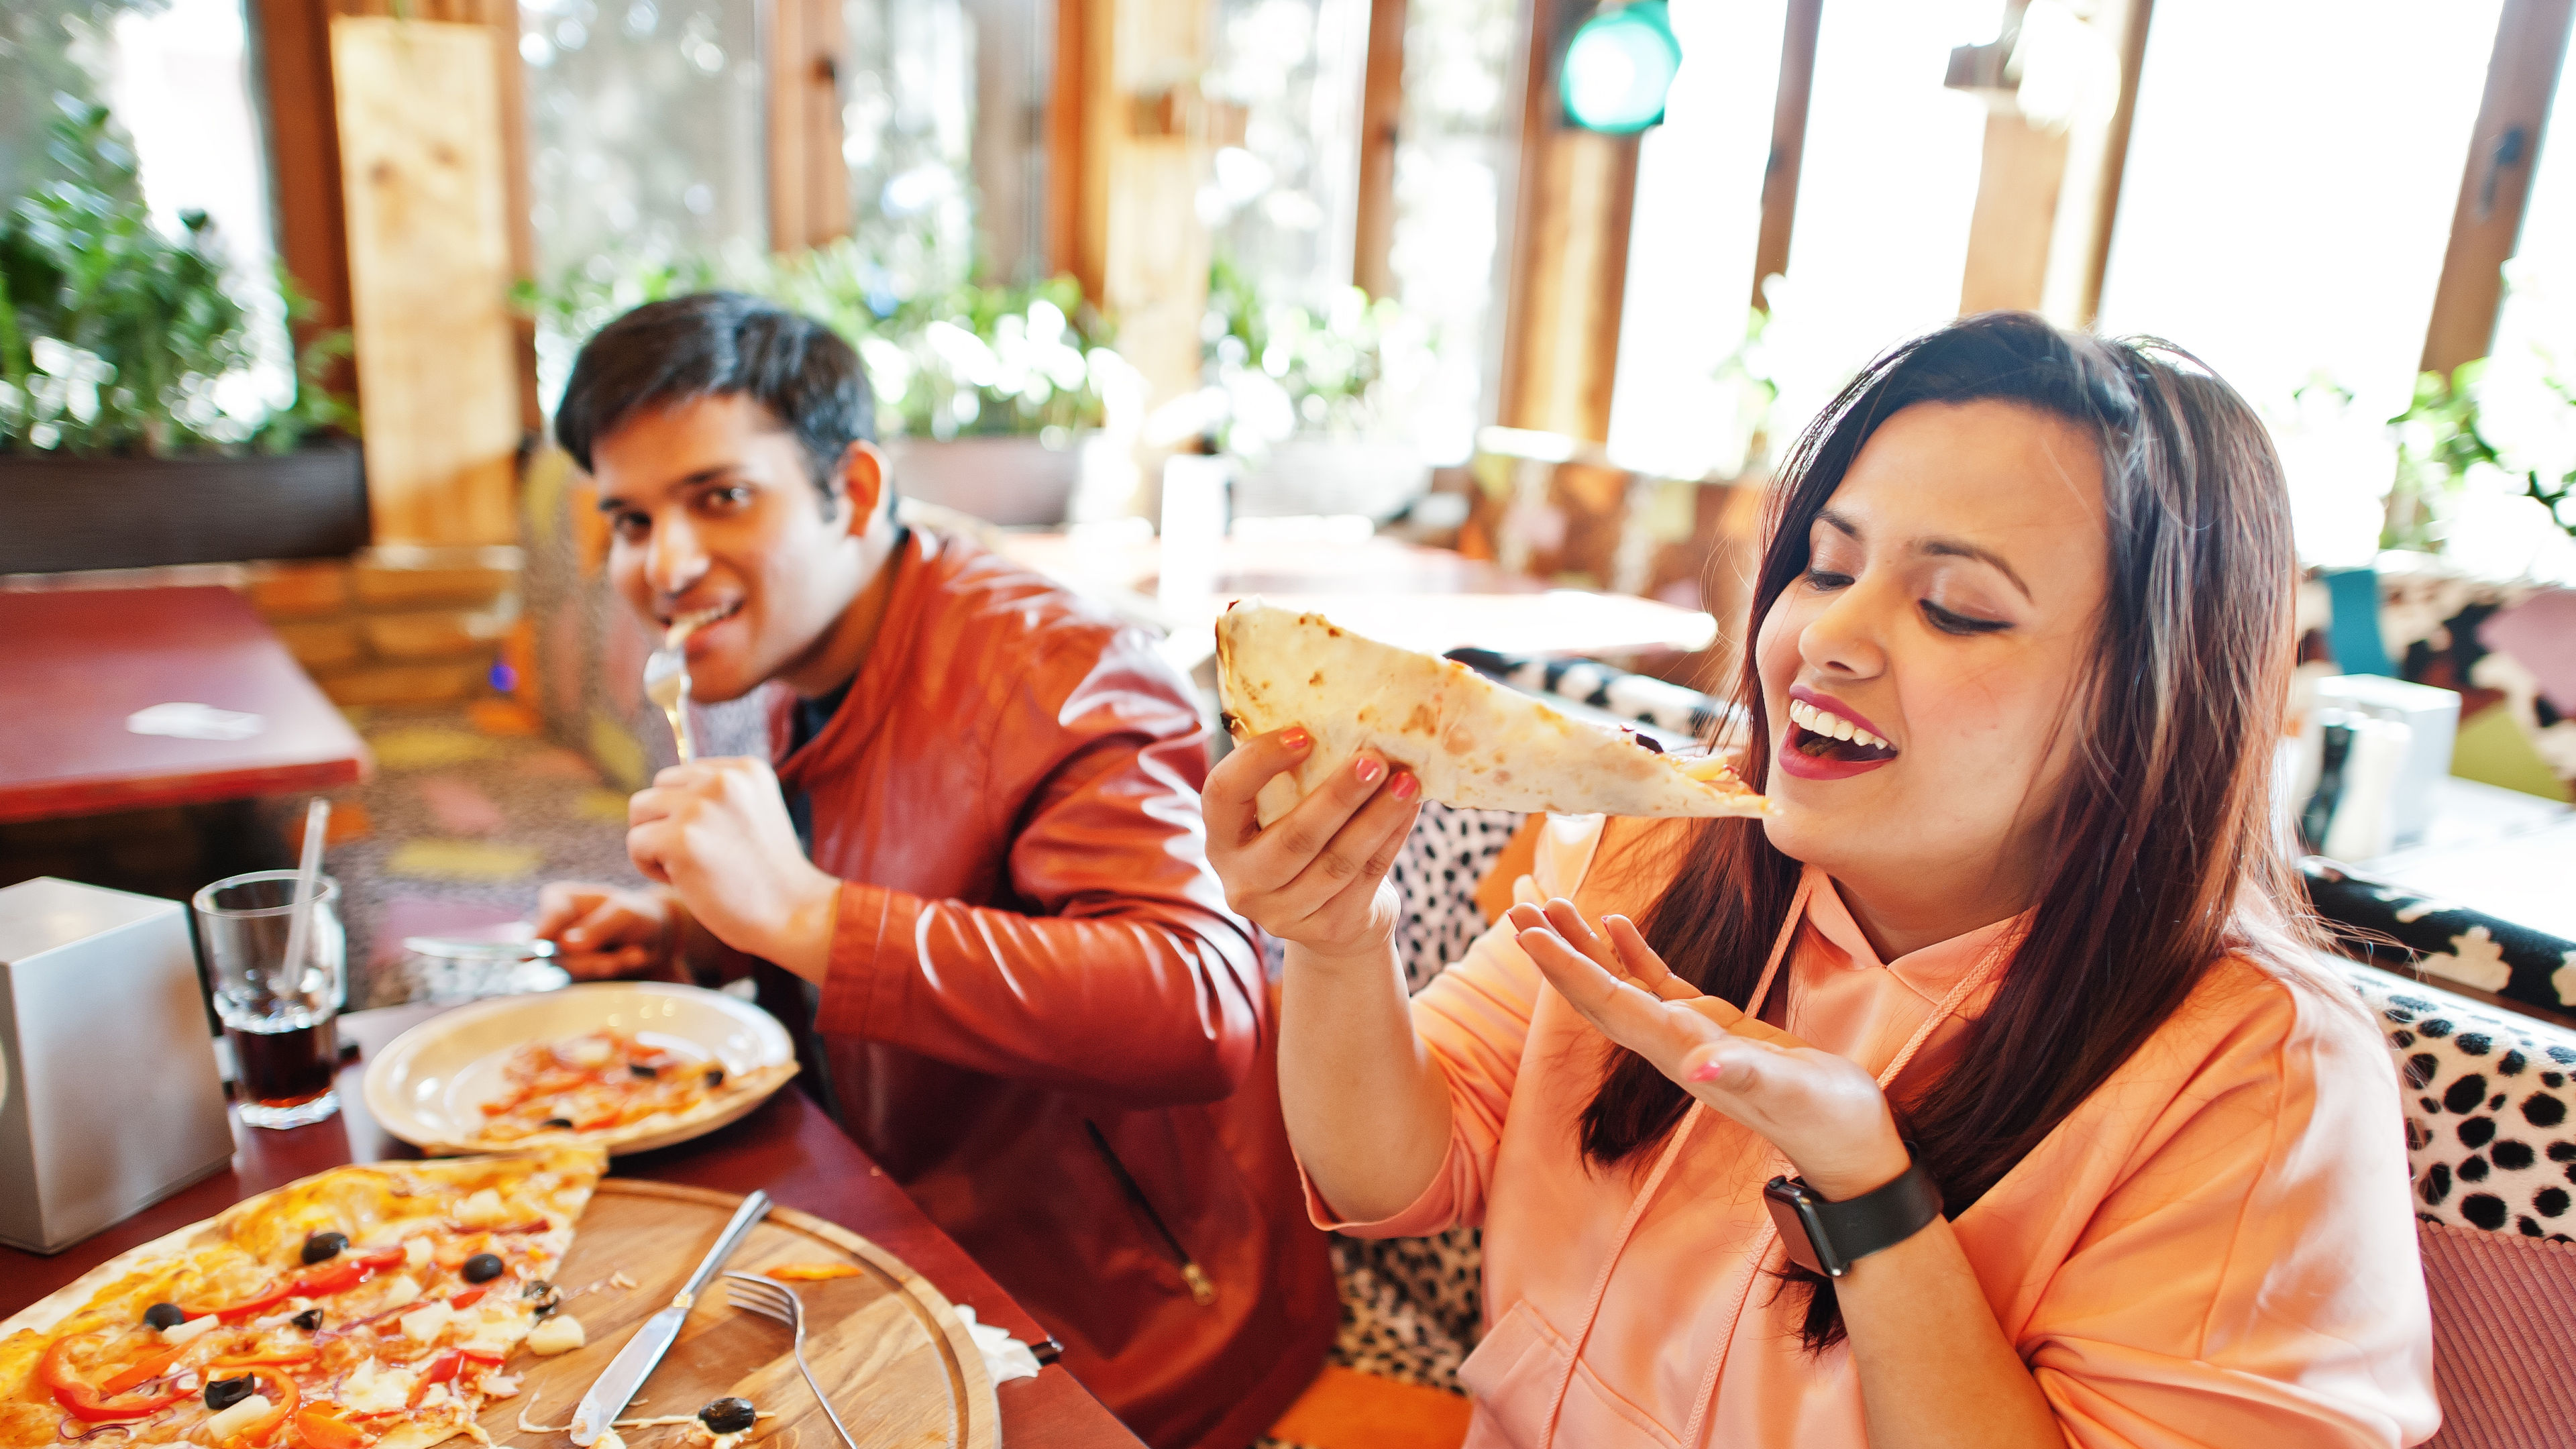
<point x="666" y="683"/>
<point x="777" y="1301"/>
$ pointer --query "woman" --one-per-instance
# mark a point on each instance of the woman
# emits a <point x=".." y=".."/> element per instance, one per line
<point x="2103" y="1161"/>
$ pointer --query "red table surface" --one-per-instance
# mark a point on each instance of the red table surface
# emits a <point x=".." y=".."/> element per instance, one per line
<point x="81" y="660"/>
<point x="787" y="1146"/>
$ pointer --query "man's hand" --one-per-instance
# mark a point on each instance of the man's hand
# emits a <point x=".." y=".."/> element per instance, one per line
<point x="601" y="931"/>
<point x="716" y="832"/>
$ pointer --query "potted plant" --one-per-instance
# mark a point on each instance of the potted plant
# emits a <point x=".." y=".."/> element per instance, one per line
<point x="1297" y="398"/>
<point x="986" y="396"/>
<point x="117" y="345"/>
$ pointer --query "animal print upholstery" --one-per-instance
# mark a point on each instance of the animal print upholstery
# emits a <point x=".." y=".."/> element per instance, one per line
<point x="2487" y="1093"/>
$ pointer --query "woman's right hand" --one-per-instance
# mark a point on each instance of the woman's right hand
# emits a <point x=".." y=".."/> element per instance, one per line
<point x="1316" y="877"/>
<point x="602" y="931"/>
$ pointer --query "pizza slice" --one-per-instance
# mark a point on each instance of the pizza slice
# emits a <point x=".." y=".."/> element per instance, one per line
<point x="1472" y="742"/>
<point x="609" y="1088"/>
<point x="368" y="1307"/>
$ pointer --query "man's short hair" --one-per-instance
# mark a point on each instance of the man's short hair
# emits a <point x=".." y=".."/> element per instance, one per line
<point x="715" y="344"/>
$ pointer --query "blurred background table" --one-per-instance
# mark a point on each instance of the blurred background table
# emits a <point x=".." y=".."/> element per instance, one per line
<point x="1430" y="599"/>
<point x="77" y="662"/>
<point x="787" y="1146"/>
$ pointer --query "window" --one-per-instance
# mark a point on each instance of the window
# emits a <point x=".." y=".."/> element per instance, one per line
<point x="1284" y="204"/>
<point x="645" y="128"/>
<point x="2290" y="185"/>
<point x="1691" y="244"/>
<point x="2527" y="396"/>
<point x="174" y="75"/>
<point x="1453" y="158"/>
<point x="908" y="108"/>
<point x="1885" y="191"/>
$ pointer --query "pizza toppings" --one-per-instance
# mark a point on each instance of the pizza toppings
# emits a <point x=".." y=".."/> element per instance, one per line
<point x="163" y="1315"/>
<point x="67" y="1377"/>
<point x="309" y="1320"/>
<point x="810" y="1272"/>
<point x="188" y="1329"/>
<point x="481" y="1268"/>
<point x="728" y="1415"/>
<point x="224" y="1393"/>
<point x="561" y="1333"/>
<point x="323" y="1427"/>
<point x="322" y="1247"/>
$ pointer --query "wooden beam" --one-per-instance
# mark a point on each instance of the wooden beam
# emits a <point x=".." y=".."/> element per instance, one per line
<point x="1077" y="144"/>
<point x="2015" y="218"/>
<point x="1788" y="141"/>
<point x="2115" y="161"/>
<point x="293" y="50"/>
<point x="2486" y="225"/>
<point x="809" y="182"/>
<point x="422" y="170"/>
<point x="1381" y="105"/>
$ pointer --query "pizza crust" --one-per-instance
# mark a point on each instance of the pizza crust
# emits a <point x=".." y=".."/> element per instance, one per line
<point x="1472" y="743"/>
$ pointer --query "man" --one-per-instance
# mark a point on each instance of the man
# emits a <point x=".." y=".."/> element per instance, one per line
<point x="975" y="885"/>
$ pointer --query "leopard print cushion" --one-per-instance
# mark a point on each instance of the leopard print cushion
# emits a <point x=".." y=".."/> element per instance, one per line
<point x="2486" y="1098"/>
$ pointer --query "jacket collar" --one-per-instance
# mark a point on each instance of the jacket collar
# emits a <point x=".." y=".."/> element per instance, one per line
<point x="889" y="660"/>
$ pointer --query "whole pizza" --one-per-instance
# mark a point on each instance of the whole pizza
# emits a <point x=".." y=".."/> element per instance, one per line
<point x="375" y="1305"/>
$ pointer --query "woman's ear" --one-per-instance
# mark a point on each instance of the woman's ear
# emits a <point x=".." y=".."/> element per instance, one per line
<point x="861" y="486"/>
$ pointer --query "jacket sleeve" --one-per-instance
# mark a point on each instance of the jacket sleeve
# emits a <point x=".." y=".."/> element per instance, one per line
<point x="1118" y="969"/>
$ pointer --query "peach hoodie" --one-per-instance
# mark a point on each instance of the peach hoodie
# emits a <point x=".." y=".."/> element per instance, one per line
<point x="2217" y="1247"/>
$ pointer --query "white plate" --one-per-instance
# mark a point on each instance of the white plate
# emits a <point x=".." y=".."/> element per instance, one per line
<point x="428" y="1085"/>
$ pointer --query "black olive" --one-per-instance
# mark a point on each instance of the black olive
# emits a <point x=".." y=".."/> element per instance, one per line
<point x="715" y="1076"/>
<point x="728" y="1416"/>
<point x="164" y="1315"/>
<point x="641" y="1070"/>
<point x="308" y="1320"/>
<point x="323" y="1247"/>
<point x="222" y="1394"/>
<point x="481" y="1268"/>
<point x="556" y="1122"/>
<point x="1640" y="737"/>
<point x="548" y="1300"/>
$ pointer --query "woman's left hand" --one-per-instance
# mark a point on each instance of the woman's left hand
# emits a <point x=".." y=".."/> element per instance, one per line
<point x="1824" y="1113"/>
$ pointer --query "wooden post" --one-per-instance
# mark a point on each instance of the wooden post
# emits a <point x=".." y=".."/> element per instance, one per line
<point x="809" y="182"/>
<point x="2504" y="149"/>
<point x="1788" y="142"/>
<point x="1577" y="193"/>
<point x="1381" y="105"/>
<point x="294" y="49"/>
<point x="423" y="175"/>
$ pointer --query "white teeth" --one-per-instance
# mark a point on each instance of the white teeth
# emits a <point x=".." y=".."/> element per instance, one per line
<point x="1833" y="726"/>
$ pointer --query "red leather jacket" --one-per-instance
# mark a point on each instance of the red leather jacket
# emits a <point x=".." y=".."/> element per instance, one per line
<point x="1033" y="963"/>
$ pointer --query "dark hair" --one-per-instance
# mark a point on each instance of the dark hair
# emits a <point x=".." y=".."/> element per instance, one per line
<point x="2160" y="859"/>
<point x="711" y="344"/>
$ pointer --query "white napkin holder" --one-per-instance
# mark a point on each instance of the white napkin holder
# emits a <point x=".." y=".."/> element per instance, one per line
<point x="109" y="1097"/>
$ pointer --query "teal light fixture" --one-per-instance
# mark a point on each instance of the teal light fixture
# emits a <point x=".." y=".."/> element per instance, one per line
<point x="1618" y="68"/>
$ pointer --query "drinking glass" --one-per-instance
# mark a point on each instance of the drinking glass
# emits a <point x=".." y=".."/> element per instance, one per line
<point x="279" y="1013"/>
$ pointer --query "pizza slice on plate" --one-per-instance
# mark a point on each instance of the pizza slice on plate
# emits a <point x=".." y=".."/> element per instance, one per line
<point x="368" y="1307"/>
<point x="1472" y="742"/>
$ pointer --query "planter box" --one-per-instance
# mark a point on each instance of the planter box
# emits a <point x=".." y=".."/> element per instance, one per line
<point x="1013" y="482"/>
<point x="59" y="513"/>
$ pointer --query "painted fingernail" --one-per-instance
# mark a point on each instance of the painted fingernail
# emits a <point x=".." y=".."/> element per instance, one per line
<point x="1296" y="739"/>
<point x="1368" y="769"/>
<point x="1406" y="786"/>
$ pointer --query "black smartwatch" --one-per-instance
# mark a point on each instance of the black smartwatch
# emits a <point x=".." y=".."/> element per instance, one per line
<point x="1828" y="1237"/>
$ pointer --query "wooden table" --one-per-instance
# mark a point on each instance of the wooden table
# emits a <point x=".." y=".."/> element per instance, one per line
<point x="1430" y="599"/>
<point x="88" y="658"/>
<point x="787" y="1146"/>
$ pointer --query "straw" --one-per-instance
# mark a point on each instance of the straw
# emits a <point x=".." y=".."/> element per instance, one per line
<point x="308" y="877"/>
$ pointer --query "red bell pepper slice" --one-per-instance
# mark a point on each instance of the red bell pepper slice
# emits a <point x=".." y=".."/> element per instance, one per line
<point x="467" y="1299"/>
<point x="340" y="1277"/>
<point x="142" y="1371"/>
<point x="322" y="1427"/>
<point x="482" y="1356"/>
<point x="440" y="1370"/>
<point x="85" y="1400"/>
<point x="283" y="1397"/>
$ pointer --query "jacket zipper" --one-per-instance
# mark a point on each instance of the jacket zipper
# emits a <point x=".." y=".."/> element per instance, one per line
<point x="1202" y="1291"/>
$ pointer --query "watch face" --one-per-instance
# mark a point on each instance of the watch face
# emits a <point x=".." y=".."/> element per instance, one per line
<point x="1784" y="1199"/>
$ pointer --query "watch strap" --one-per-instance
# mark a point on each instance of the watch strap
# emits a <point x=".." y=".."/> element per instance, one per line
<point x="1836" y="1235"/>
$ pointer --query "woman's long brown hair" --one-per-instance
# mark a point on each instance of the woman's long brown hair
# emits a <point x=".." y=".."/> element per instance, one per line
<point x="2158" y="849"/>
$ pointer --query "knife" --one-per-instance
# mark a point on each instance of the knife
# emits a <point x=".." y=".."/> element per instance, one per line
<point x="634" y="1363"/>
<point x="445" y="949"/>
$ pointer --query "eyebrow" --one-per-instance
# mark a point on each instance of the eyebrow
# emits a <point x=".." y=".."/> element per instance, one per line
<point x="1936" y="547"/>
<point x="611" y="502"/>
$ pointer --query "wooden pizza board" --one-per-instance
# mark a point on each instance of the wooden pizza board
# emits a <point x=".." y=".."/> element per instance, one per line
<point x="892" y="1353"/>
